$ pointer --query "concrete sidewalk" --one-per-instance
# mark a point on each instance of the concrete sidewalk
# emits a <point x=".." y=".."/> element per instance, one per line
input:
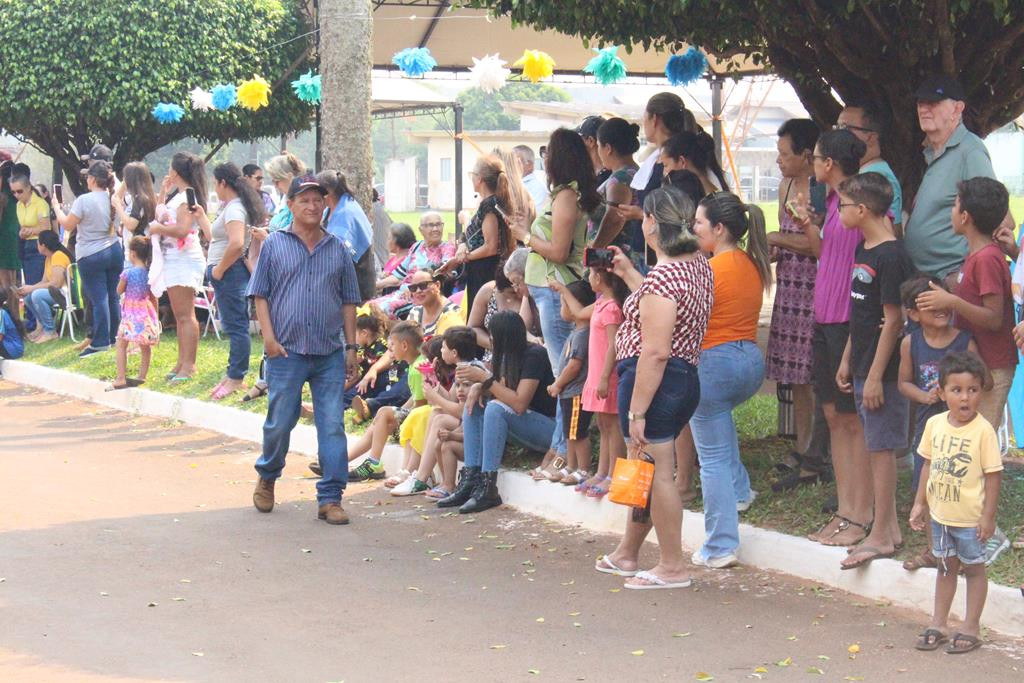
<point x="105" y="513"/>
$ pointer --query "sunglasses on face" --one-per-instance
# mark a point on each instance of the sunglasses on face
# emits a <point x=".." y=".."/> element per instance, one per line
<point x="420" y="286"/>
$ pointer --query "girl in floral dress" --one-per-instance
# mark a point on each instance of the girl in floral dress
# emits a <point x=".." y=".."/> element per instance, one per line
<point x="140" y="325"/>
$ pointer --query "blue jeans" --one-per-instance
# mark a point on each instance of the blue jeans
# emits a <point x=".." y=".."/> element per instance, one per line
<point x="41" y="303"/>
<point x="486" y="430"/>
<point x="286" y="377"/>
<point x="234" y="315"/>
<point x="555" y="331"/>
<point x="394" y="395"/>
<point x="33" y="265"/>
<point x="100" y="273"/>
<point x="730" y="374"/>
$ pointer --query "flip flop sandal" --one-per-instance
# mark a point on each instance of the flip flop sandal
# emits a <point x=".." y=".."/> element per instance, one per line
<point x="116" y="387"/>
<point x="254" y="393"/>
<point x="135" y="382"/>
<point x="611" y="568"/>
<point x="972" y="644"/>
<point x="575" y="478"/>
<point x="655" y="582"/>
<point x="221" y="392"/>
<point x="872" y="553"/>
<point x="170" y="375"/>
<point x="437" y="493"/>
<point x="599" y="490"/>
<point x="923" y="560"/>
<point x="931" y="639"/>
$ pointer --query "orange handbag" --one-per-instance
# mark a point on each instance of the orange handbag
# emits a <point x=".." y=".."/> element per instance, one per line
<point x="631" y="481"/>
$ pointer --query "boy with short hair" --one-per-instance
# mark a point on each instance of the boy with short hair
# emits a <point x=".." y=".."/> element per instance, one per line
<point x="568" y="388"/>
<point x="961" y="493"/>
<point x="921" y="351"/>
<point x="870" y="364"/>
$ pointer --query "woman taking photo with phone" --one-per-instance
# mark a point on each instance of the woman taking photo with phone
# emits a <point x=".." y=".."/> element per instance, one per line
<point x="658" y="347"/>
<point x="98" y="253"/>
<point x="181" y="266"/>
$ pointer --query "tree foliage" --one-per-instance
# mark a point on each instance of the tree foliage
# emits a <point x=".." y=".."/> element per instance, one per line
<point x="861" y="49"/>
<point x="483" y="111"/>
<point x="79" y="72"/>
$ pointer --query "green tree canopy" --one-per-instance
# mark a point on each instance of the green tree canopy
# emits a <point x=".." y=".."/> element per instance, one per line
<point x="878" y="50"/>
<point x="78" y="72"/>
<point x="484" y="112"/>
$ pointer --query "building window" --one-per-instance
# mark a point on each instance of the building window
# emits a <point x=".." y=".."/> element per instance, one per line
<point x="446" y="169"/>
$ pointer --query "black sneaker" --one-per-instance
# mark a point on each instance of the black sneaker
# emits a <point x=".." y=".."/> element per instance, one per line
<point x="89" y="350"/>
<point x="315" y="468"/>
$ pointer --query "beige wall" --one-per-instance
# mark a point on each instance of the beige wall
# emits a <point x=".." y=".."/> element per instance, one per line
<point x="441" y="192"/>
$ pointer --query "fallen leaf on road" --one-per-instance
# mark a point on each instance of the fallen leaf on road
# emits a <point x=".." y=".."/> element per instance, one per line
<point x="704" y="676"/>
<point x="574" y="614"/>
<point x="760" y="670"/>
<point x="424" y="516"/>
<point x="785" y="662"/>
<point x="614" y="590"/>
<point x="815" y="670"/>
<point x="791" y="638"/>
<point x="824" y="657"/>
<point x="498" y="647"/>
<point x="540" y="620"/>
<point x="682" y="635"/>
<point x="178" y="599"/>
<point x="577" y="624"/>
<point x="569" y="582"/>
<point x="413" y="588"/>
<point x="853" y="649"/>
<point x="197" y="654"/>
<point x="464" y="559"/>
<point x="505" y="546"/>
<point x="152" y="604"/>
<point x="533" y="672"/>
<point x="184" y="580"/>
<point x="306" y="550"/>
<point x="854" y="678"/>
<point x="104" y="594"/>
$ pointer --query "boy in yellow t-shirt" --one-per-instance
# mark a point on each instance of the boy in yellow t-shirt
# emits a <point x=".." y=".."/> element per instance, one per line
<point x="961" y="492"/>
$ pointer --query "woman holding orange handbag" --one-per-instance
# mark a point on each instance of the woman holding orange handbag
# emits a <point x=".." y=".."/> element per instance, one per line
<point x="658" y="346"/>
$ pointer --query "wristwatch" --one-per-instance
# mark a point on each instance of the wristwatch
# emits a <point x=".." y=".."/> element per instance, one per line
<point x="351" y="347"/>
<point x="633" y="417"/>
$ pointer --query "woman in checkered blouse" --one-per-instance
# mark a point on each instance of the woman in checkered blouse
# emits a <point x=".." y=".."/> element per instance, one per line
<point x="658" y="346"/>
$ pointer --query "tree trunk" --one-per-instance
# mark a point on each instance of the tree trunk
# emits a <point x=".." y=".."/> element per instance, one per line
<point x="346" y="30"/>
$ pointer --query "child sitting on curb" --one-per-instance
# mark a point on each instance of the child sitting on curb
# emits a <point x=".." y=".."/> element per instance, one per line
<point x="960" y="493"/>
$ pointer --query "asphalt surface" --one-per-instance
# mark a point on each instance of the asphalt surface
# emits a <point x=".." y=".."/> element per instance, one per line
<point x="129" y="550"/>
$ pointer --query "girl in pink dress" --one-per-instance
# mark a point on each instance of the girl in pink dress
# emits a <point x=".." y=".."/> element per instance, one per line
<point x="601" y="389"/>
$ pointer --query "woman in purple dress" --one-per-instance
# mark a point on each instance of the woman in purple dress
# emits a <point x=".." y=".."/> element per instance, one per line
<point x="788" y="359"/>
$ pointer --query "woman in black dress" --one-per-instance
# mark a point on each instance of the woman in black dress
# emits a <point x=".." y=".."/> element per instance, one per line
<point x="487" y="239"/>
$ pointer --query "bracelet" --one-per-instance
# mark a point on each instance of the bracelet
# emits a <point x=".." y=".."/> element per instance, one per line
<point x="635" y="417"/>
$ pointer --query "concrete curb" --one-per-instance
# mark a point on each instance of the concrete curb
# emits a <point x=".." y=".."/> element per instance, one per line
<point x="763" y="548"/>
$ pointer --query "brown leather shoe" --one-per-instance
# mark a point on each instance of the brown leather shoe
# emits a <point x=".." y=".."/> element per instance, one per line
<point x="333" y="513"/>
<point x="263" y="496"/>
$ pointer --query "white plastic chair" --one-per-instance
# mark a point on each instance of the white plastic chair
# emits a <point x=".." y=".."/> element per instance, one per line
<point x="206" y="300"/>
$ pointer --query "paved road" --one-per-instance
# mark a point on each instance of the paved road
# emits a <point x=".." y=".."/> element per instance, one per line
<point x="129" y="550"/>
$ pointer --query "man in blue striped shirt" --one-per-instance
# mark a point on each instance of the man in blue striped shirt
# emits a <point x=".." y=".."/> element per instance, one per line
<point x="305" y="291"/>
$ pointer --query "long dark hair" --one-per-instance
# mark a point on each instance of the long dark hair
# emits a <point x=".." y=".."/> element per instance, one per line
<point x="568" y="161"/>
<point x="229" y="174"/>
<point x="508" y="346"/>
<point x="699" y="150"/>
<point x="9" y="302"/>
<point x="674" y="115"/>
<point x="192" y="170"/>
<point x="50" y="240"/>
<point x="139" y="183"/>
<point x="742" y="221"/>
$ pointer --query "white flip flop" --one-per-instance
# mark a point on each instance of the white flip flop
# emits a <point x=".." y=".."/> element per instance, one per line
<point x="612" y="568"/>
<point x="655" y="582"/>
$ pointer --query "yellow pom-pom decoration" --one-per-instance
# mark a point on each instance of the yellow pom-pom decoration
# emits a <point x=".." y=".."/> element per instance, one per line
<point x="536" y="65"/>
<point x="254" y="93"/>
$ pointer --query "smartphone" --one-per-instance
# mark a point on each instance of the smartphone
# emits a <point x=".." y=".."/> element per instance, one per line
<point x="190" y="197"/>
<point x="598" y="258"/>
<point x="58" y="192"/>
<point x="818" y="192"/>
<point x="792" y="209"/>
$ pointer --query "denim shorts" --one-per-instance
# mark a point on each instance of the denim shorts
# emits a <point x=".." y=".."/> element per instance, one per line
<point x="958" y="541"/>
<point x="672" y="405"/>
<point x="885" y="429"/>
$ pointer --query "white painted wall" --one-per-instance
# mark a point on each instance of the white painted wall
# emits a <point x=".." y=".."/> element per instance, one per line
<point x="400" y="185"/>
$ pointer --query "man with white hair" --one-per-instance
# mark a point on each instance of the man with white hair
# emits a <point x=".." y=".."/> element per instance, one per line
<point x="536" y="183"/>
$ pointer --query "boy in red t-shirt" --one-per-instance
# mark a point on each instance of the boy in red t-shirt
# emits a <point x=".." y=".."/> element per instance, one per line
<point x="983" y="302"/>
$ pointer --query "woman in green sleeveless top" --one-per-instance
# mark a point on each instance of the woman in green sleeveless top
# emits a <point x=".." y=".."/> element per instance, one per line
<point x="557" y="239"/>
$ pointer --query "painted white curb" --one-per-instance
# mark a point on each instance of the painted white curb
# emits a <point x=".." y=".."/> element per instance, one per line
<point x="762" y="548"/>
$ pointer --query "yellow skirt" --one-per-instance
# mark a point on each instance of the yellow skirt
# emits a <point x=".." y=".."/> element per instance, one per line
<point x="414" y="429"/>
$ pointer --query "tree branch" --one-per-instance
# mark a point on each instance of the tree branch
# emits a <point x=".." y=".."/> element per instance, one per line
<point x="945" y="36"/>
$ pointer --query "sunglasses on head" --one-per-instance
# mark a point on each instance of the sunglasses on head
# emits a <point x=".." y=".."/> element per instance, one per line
<point x="420" y="286"/>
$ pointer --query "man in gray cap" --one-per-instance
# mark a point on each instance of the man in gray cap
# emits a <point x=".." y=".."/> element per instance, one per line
<point x="952" y="153"/>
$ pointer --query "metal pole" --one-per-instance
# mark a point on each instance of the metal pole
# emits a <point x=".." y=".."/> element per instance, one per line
<point x="457" y="108"/>
<point x="716" y="114"/>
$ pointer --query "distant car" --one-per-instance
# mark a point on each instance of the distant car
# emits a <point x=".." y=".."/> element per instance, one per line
<point x="379" y="189"/>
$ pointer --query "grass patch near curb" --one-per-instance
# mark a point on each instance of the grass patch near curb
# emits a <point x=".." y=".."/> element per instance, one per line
<point x="796" y="512"/>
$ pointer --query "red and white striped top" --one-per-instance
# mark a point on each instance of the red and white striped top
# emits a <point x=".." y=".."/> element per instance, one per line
<point x="690" y="284"/>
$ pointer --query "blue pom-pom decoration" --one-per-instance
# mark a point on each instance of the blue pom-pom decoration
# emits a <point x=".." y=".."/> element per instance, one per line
<point x="167" y="112"/>
<point x="224" y="96"/>
<point x="414" y="61"/>
<point x="686" y="68"/>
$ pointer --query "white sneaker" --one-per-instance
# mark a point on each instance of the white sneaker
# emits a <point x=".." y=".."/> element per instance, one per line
<point x="723" y="562"/>
<point x="744" y="505"/>
<point x="410" y="487"/>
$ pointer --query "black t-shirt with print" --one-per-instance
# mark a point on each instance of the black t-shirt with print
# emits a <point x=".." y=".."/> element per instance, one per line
<point x="878" y="273"/>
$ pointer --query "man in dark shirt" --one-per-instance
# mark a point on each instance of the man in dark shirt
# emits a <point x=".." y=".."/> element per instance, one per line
<point x="305" y="291"/>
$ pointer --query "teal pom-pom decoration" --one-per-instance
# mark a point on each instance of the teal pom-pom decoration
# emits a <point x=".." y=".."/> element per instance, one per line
<point x="607" y="67"/>
<point x="168" y="112"/>
<point x="224" y="96"/>
<point x="307" y="87"/>
<point x="414" y="61"/>
<point x="686" y="68"/>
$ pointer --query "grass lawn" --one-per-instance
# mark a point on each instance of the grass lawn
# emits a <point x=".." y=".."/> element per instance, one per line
<point x="795" y="512"/>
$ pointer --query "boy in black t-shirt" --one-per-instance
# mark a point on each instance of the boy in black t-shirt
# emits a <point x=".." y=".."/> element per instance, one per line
<point x="870" y="365"/>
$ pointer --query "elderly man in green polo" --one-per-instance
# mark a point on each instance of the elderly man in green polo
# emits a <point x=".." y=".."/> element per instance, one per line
<point x="952" y="153"/>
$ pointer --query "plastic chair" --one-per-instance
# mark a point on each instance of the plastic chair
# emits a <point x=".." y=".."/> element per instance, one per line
<point x="206" y="300"/>
<point x="72" y="291"/>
